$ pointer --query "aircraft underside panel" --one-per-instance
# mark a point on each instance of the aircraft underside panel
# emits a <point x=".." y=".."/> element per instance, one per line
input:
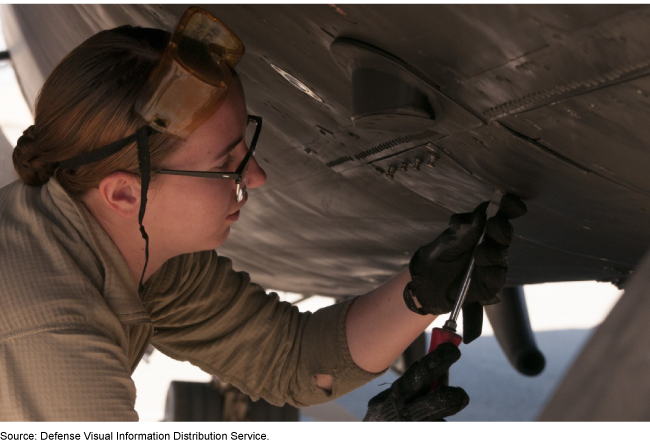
<point x="548" y="102"/>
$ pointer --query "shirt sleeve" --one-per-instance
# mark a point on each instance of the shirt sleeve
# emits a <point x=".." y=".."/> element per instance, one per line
<point x="206" y="313"/>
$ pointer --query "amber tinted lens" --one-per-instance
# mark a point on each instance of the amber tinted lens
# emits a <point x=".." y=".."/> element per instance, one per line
<point x="176" y="101"/>
<point x="192" y="76"/>
<point x="205" y="43"/>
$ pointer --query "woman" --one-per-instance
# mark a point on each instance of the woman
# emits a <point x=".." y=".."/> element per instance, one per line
<point x="107" y="243"/>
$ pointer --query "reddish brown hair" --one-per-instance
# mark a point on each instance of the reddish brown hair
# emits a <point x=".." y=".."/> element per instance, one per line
<point x="86" y="103"/>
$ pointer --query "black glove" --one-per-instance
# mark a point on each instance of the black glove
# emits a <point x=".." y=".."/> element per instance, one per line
<point x="438" y="268"/>
<point x="409" y="398"/>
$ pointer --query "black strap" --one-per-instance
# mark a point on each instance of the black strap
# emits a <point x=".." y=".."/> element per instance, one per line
<point x="103" y="152"/>
<point x="409" y="300"/>
<point x="98" y="154"/>
<point x="144" y="165"/>
<point x="472" y="321"/>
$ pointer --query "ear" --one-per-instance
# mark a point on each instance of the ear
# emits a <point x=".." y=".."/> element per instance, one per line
<point x="120" y="192"/>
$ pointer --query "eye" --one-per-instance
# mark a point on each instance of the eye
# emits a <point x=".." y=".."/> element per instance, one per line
<point x="226" y="164"/>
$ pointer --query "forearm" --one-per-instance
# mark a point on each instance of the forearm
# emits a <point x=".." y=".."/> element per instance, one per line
<point x="380" y="326"/>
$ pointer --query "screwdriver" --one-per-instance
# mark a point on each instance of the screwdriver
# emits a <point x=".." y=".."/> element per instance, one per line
<point x="448" y="331"/>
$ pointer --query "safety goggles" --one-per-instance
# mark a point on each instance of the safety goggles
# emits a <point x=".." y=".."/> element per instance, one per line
<point x="185" y="88"/>
<point x="192" y="76"/>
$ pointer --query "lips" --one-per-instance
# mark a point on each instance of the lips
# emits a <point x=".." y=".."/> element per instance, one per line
<point x="235" y="216"/>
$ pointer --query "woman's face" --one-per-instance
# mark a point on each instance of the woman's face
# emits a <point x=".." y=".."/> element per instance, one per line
<point x="193" y="214"/>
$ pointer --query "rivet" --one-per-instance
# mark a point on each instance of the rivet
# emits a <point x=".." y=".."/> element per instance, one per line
<point x="431" y="162"/>
<point x="404" y="166"/>
<point x="391" y="172"/>
<point x="417" y="164"/>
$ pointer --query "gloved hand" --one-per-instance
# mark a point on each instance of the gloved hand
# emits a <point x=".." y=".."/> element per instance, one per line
<point x="438" y="268"/>
<point x="409" y="398"/>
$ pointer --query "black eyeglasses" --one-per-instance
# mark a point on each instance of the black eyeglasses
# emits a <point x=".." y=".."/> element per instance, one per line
<point x="253" y="134"/>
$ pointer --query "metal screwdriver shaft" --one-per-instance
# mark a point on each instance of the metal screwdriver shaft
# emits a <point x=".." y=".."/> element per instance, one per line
<point x="448" y="332"/>
<point x="451" y="324"/>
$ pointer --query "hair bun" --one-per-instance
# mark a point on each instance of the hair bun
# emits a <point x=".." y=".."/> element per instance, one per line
<point x="28" y="159"/>
<point x="30" y="133"/>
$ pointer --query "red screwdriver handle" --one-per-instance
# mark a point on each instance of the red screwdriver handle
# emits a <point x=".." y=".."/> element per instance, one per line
<point x="438" y="336"/>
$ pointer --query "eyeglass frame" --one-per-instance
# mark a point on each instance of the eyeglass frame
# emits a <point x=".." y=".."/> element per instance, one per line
<point x="237" y="175"/>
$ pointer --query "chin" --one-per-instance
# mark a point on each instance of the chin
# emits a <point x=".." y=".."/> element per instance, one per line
<point x="221" y="239"/>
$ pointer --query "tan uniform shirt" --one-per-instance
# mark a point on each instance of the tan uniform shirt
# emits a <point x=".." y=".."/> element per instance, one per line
<point x="73" y="328"/>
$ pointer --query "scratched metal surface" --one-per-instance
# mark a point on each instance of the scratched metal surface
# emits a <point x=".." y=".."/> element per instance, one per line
<point x="549" y="102"/>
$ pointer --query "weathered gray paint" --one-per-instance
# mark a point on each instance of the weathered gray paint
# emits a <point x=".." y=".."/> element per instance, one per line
<point x="559" y="97"/>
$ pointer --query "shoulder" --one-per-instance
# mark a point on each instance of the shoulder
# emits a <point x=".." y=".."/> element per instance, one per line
<point x="33" y="214"/>
<point x="184" y="272"/>
<point x="197" y="281"/>
<point x="50" y="277"/>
